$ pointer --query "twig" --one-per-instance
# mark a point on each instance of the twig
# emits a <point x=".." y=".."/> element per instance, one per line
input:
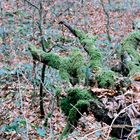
<point x="95" y="132"/>
<point x="21" y="102"/>
<point x="31" y="4"/>
<point x="108" y="20"/>
<point x="113" y="126"/>
<point x="77" y="110"/>
<point x="118" y="116"/>
<point x="44" y="66"/>
<point x="80" y="113"/>
<point x="51" y="124"/>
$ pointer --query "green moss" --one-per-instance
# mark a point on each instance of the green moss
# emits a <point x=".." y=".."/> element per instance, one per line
<point x="50" y="59"/>
<point x="131" y="44"/>
<point x="134" y="68"/>
<point x="133" y="53"/>
<point x="64" y="39"/>
<point x="78" y="94"/>
<point x="76" y="111"/>
<point x="74" y="115"/>
<point x="89" y="40"/>
<point x="47" y="43"/>
<point x="63" y="69"/>
<point x="74" y="95"/>
<point x="106" y="78"/>
<point x="65" y="105"/>
<point x="95" y="58"/>
<point x="85" y="38"/>
<point x="58" y="94"/>
<point x="72" y="66"/>
<point x="94" y="53"/>
<point x="54" y="60"/>
<point x="80" y="34"/>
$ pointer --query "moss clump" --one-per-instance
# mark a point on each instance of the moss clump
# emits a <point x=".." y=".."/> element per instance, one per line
<point x="50" y="59"/>
<point x="65" y="105"/>
<point x="80" y="34"/>
<point x="75" y="63"/>
<point x="54" y="60"/>
<point x="95" y="58"/>
<point x="71" y="68"/>
<point x="75" y="104"/>
<point x="106" y="78"/>
<point x="134" y="68"/>
<point x="84" y="38"/>
<point x="74" y="115"/>
<point x="94" y="53"/>
<point x="89" y="40"/>
<point x="74" y="95"/>
<point x="131" y="46"/>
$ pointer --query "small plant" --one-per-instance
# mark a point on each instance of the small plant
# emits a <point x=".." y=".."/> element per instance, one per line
<point x="18" y="125"/>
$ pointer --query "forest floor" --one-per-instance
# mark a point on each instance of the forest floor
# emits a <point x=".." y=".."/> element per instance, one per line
<point x="19" y="99"/>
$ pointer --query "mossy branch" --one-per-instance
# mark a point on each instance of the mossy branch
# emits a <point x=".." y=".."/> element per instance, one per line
<point x="70" y="67"/>
<point x="87" y="40"/>
<point x="50" y="58"/>
<point x="130" y="44"/>
<point x="130" y="51"/>
<point x="104" y="77"/>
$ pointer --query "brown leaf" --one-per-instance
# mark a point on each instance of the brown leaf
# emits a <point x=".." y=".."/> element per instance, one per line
<point x="103" y="92"/>
<point x="137" y="78"/>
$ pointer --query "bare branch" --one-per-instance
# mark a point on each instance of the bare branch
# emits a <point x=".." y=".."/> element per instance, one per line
<point x="31" y="4"/>
<point x="108" y="20"/>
